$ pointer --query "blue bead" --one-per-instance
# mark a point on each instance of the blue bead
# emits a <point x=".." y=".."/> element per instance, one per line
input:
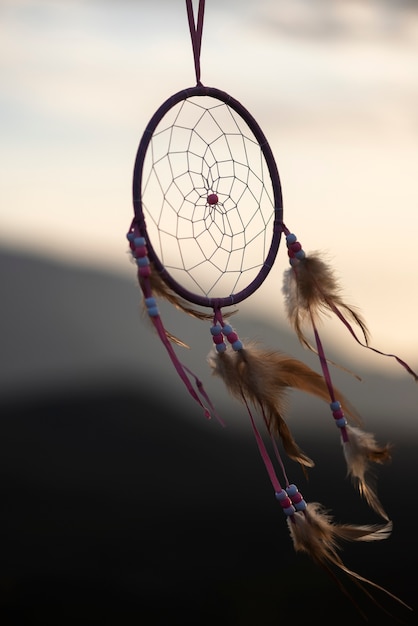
<point x="290" y="238"/>
<point x="215" y="330"/>
<point x="335" y="406"/>
<point x="227" y="329"/>
<point x="130" y="236"/>
<point x="300" y="255"/>
<point x="293" y="261"/>
<point x="341" y="422"/>
<point x="290" y="510"/>
<point x="237" y="345"/>
<point x="300" y="506"/>
<point x="281" y="495"/>
<point x="150" y="302"/>
<point x="139" y="241"/>
<point x="220" y="347"/>
<point x="291" y="490"/>
<point x="153" y="311"/>
<point x="142" y="261"/>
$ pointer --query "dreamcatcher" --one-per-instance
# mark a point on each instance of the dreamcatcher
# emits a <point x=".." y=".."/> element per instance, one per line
<point x="207" y="227"/>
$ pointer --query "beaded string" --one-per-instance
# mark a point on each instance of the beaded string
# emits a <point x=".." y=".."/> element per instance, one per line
<point x="297" y="254"/>
<point x="139" y="251"/>
<point x="219" y="330"/>
<point x="289" y="498"/>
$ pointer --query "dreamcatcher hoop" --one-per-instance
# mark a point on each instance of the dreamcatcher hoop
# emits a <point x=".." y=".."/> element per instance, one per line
<point x="140" y="217"/>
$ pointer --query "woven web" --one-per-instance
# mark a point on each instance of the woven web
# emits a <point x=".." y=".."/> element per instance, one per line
<point x="203" y="150"/>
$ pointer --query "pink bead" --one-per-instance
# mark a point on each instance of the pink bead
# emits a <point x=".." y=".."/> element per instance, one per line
<point x="285" y="503"/>
<point x="213" y="199"/>
<point x="140" y="252"/>
<point x="338" y="414"/>
<point x="218" y="339"/>
<point x="232" y="337"/>
<point x="295" y="247"/>
<point x="145" y="272"/>
<point x="297" y="498"/>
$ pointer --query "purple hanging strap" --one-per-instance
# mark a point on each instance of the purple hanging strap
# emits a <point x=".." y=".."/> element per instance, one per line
<point x="353" y="334"/>
<point x="196" y="33"/>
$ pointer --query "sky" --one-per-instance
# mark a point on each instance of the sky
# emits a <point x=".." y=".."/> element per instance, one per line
<point x="334" y="86"/>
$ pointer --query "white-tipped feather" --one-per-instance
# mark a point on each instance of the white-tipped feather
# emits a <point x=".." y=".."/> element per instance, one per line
<point x="360" y="451"/>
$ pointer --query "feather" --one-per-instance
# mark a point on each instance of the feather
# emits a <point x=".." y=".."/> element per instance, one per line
<point x="172" y="338"/>
<point x="263" y="377"/>
<point x="360" y="451"/>
<point x="310" y="288"/>
<point x="314" y="533"/>
<point x="244" y="379"/>
<point x="158" y="287"/>
<point x="162" y="290"/>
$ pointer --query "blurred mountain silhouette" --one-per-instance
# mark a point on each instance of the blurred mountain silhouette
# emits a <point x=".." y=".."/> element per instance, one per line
<point x="122" y="505"/>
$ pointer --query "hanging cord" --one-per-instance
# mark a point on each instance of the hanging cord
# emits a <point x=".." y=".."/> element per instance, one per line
<point x="196" y="33"/>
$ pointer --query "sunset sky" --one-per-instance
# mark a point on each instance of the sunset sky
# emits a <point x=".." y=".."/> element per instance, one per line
<point x="334" y="86"/>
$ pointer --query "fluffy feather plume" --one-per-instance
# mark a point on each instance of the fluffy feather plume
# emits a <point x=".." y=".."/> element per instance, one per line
<point x="310" y="288"/>
<point x="262" y="377"/>
<point x="314" y="533"/>
<point x="360" y="451"/>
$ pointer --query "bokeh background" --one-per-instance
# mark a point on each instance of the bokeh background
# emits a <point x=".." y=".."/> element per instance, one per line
<point x="120" y="503"/>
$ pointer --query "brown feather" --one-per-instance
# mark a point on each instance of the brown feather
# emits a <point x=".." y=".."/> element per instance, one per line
<point x="244" y="378"/>
<point x="310" y="288"/>
<point x="263" y="377"/>
<point x="162" y="290"/>
<point x="169" y="335"/>
<point x="360" y="451"/>
<point x="314" y="532"/>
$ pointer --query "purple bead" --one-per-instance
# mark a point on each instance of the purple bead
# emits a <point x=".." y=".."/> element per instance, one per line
<point x="286" y="502"/>
<point x="140" y="251"/>
<point x="145" y="272"/>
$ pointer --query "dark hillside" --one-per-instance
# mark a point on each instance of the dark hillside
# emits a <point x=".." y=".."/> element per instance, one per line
<point x="121" y="504"/>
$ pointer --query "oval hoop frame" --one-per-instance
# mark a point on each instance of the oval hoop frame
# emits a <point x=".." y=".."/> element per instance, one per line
<point x="206" y="301"/>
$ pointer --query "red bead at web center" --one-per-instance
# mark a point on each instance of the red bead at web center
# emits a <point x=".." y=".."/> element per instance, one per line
<point x="213" y="199"/>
